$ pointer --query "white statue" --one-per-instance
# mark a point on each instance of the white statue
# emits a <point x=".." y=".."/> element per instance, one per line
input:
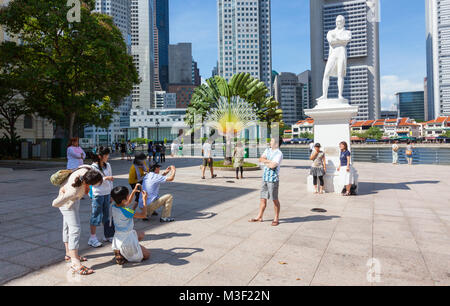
<point x="337" y="60"/>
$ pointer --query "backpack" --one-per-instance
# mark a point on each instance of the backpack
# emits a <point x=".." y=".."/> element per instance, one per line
<point x="59" y="178"/>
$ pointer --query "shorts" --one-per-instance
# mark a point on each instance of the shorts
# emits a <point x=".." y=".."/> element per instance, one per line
<point x="269" y="191"/>
<point x="208" y="162"/>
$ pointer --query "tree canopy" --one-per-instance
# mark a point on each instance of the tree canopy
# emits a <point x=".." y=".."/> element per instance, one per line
<point x="74" y="72"/>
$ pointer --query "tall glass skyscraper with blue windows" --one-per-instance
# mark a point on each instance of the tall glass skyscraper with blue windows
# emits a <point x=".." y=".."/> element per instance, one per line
<point x="162" y="40"/>
<point x="411" y="105"/>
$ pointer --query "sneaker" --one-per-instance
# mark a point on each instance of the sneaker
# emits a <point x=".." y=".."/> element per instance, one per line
<point x="108" y="240"/>
<point x="93" y="242"/>
<point x="166" y="220"/>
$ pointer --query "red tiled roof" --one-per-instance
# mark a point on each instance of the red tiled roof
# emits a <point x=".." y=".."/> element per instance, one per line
<point x="358" y="124"/>
<point x="369" y="123"/>
<point x="379" y="122"/>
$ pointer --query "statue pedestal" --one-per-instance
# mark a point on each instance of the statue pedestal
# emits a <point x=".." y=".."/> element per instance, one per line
<point x="331" y="127"/>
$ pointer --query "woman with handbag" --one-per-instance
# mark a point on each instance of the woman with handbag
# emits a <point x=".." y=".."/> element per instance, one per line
<point x="409" y="153"/>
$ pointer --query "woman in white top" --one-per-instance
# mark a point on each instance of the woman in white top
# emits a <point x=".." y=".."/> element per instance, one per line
<point x="101" y="199"/>
<point x="75" y="154"/>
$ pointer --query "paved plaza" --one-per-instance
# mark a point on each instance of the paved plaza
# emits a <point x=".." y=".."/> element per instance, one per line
<point x="401" y="219"/>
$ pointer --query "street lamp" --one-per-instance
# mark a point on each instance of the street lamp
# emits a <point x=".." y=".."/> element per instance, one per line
<point x="157" y="130"/>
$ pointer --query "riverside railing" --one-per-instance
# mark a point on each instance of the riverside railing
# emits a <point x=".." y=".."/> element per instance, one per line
<point x="422" y="155"/>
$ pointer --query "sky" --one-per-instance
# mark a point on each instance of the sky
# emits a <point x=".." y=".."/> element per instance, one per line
<point x="402" y="39"/>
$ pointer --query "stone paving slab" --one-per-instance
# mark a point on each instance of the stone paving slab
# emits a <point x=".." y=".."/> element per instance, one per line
<point x="401" y="218"/>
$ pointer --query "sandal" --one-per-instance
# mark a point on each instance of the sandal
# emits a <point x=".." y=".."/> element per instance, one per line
<point x="83" y="271"/>
<point x="120" y="260"/>
<point x="255" y="220"/>
<point x="275" y="223"/>
<point x="68" y="259"/>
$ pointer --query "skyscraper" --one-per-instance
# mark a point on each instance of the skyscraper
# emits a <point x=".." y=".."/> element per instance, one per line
<point x="362" y="83"/>
<point x="161" y="25"/>
<point x="245" y="39"/>
<point x="196" y="79"/>
<point x="305" y="79"/>
<point x="411" y="105"/>
<point x="142" y="49"/>
<point x="180" y="64"/>
<point x="438" y="57"/>
<point x="288" y="91"/>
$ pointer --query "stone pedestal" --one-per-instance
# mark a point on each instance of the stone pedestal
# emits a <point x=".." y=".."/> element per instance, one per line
<point x="332" y="126"/>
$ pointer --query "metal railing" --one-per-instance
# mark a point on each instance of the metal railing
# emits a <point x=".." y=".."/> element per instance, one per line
<point x="422" y="155"/>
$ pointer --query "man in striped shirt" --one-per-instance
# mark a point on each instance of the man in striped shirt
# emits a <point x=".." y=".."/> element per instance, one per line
<point x="272" y="159"/>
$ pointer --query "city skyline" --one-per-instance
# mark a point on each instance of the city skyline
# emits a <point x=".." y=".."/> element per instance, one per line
<point x="196" y="21"/>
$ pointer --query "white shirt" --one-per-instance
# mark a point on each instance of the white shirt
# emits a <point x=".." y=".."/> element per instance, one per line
<point x="207" y="148"/>
<point x="106" y="187"/>
<point x="275" y="156"/>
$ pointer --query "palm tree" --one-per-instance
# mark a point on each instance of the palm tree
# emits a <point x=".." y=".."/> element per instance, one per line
<point x="243" y="87"/>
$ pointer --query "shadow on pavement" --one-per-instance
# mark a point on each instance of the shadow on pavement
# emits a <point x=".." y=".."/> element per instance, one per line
<point x="374" y="188"/>
<point x="316" y="218"/>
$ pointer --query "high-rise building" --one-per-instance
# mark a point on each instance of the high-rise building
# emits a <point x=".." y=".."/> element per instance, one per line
<point x="142" y="49"/>
<point x="307" y="97"/>
<point x="120" y="11"/>
<point x="215" y="70"/>
<point x="425" y="100"/>
<point x="362" y="83"/>
<point x="164" y="100"/>
<point x="288" y="91"/>
<point x="411" y="105"/>
<point x="438" y="57"/>
<point x="161" y="43"/>
<point x="180" y="64"/>
<point x="183" y="93"/>
<point x="245" y="39"/>
<point x="196" y="78"/>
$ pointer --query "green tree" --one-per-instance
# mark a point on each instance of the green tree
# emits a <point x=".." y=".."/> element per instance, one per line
<point x="374" y="133"/>
<point x="76" y="73"/>
<point x="307" y="135"/>
<point x="12" y="105"/>
<point x="446" y="134"/>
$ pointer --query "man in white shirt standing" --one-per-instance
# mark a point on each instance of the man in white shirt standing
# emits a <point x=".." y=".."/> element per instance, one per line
<point x="271" y="159"/>
<point x="395" y="149"/>
<point x="207" y="159"/>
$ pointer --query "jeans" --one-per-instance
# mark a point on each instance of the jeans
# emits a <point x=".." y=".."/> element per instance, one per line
<point x="100" y="214"/>
<point x="71" y="225"/>
<point x="157" y="158"/>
